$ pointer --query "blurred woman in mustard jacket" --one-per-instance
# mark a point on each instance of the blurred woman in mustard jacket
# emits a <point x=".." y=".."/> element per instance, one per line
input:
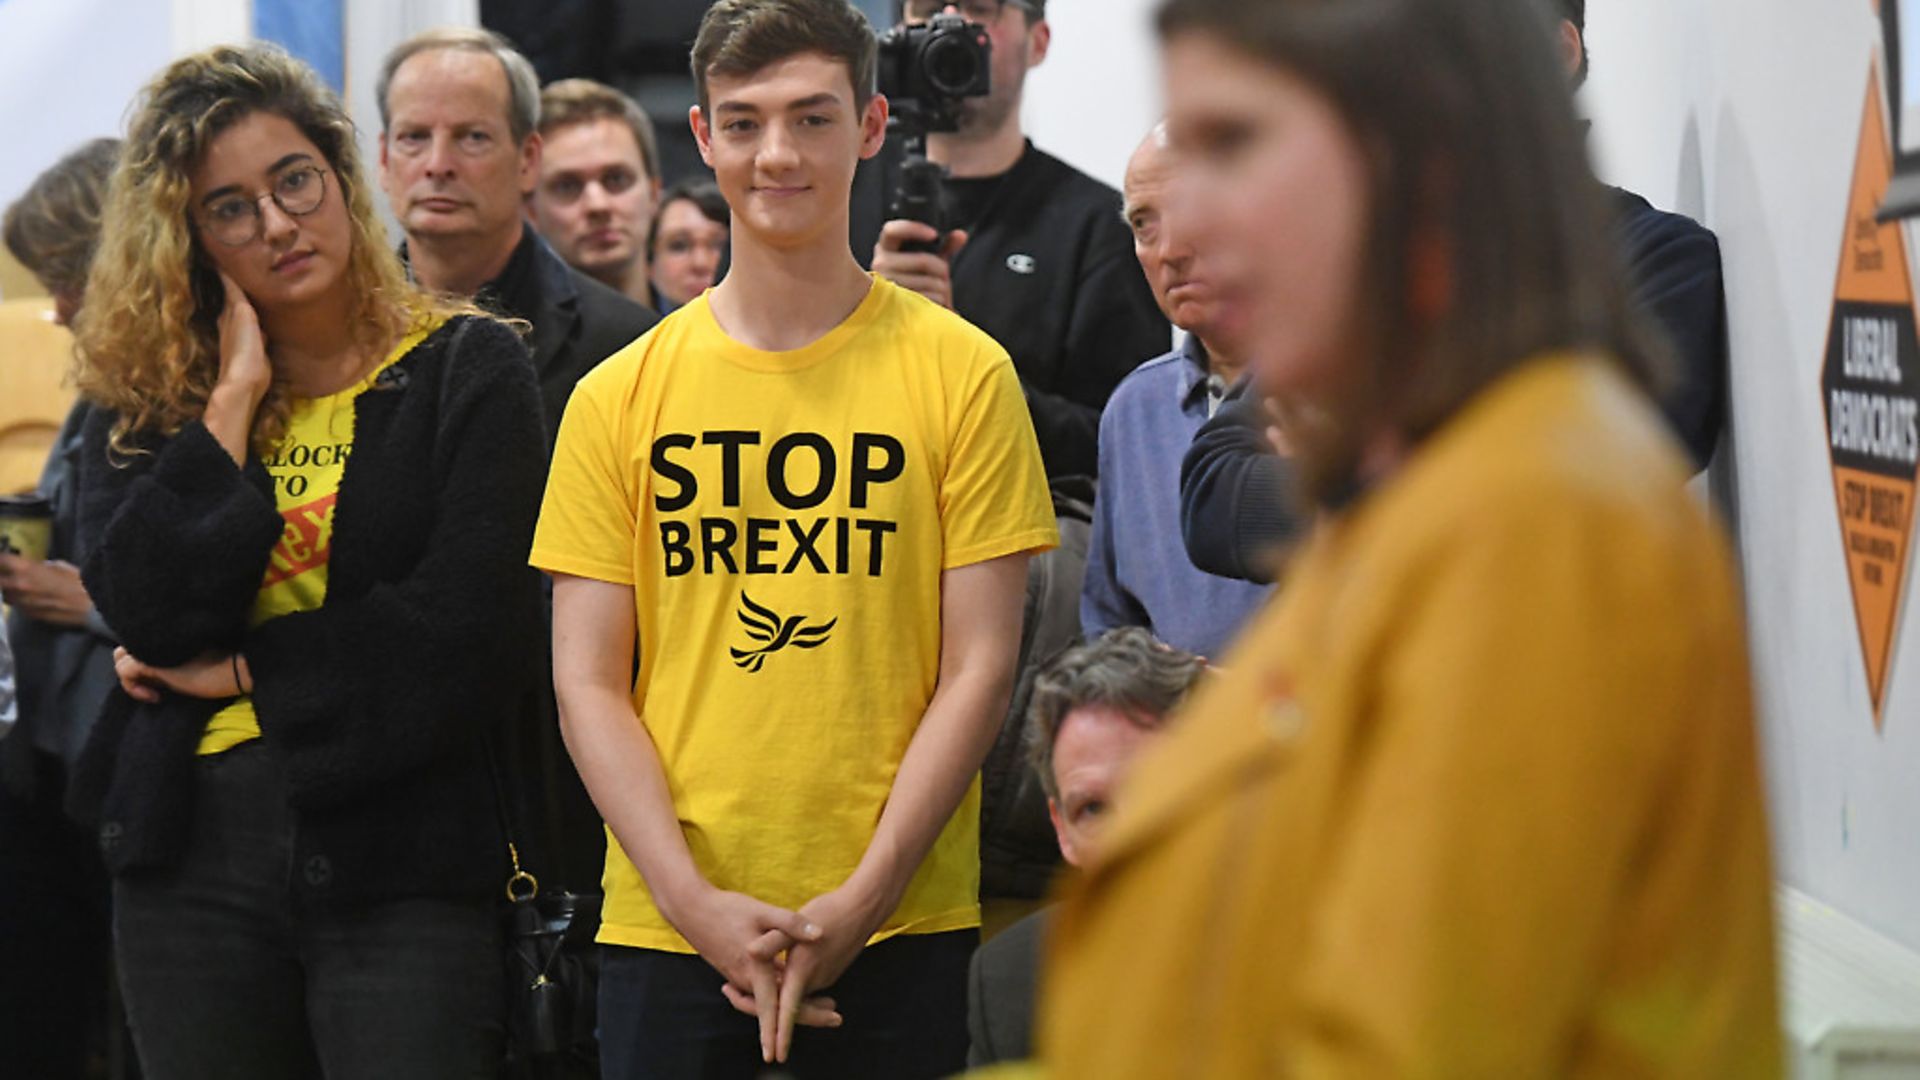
<point x="1478" y="797"/>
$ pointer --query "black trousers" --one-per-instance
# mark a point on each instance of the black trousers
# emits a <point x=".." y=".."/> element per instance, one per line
<point x="903" y="1002"/>
<point x="53" y="931"/>
<point x="227" y="974"/>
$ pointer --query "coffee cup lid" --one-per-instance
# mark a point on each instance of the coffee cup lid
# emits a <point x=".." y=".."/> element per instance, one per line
<point x="25" y="505"/>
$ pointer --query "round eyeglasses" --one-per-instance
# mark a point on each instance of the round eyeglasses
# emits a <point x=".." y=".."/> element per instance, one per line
<point x="234" y="219"/>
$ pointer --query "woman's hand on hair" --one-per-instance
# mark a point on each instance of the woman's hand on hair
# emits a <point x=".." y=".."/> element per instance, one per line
<point x="243" y="348"/>
<point x="213" y="676"/>
<point x="245" y="374"/>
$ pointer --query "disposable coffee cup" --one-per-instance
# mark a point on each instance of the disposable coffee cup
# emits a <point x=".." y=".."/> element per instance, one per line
<point x="26" y="526"/>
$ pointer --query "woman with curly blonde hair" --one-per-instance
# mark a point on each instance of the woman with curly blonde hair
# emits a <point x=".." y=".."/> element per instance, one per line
<point x="313" y="487"/>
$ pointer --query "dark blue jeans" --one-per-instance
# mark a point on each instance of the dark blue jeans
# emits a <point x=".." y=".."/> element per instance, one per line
<point x="904" y="1003"/>
<point x="227" y="974"/>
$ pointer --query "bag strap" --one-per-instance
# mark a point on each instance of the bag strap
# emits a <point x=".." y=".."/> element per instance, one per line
<point x="522" y="886"/>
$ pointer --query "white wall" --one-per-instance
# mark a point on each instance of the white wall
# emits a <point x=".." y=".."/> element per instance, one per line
<point x="64" y="81"/>
<point x="69" y="68"/>
<point x="1098" y="92"/>
<point x="1746" y="114"/>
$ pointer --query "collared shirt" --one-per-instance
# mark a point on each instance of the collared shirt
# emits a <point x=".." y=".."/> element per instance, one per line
<point x="1138" y="573"/>
<point x="509" y="284"/>
<point x="515" y="290"/>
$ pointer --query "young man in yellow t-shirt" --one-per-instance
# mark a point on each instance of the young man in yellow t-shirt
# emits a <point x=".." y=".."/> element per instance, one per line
<point x="808" y="498"/>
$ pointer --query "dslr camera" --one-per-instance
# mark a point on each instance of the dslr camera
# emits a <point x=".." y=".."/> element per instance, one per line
<point x="926" y="71"/>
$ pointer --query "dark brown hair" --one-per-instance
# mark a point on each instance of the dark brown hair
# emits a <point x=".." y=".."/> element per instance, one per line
<point x="1471" y="144"/>
<point x="52" y="229"/>
<point x="577" y="101"/>
<point x="704" y="194"/>
<point x="740" y="37"/>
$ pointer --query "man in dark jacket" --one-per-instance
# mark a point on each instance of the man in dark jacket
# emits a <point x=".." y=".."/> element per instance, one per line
<point x="1232" y="484"/>
<point x="1674" y="264"/>
<point x="1042" y="261"/>
<point x="459" y="152"/>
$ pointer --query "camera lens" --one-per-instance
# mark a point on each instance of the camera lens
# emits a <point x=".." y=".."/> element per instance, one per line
<point x="951" y="66"/>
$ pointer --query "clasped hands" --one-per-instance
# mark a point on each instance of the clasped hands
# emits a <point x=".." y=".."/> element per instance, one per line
<point x="775" y="961"/>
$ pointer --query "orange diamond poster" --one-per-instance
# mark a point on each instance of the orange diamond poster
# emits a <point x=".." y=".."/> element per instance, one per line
<point x="1871" y="385"/>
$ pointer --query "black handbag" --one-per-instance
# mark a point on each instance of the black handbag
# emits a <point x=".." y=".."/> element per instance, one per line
<point x="552" y="969"/>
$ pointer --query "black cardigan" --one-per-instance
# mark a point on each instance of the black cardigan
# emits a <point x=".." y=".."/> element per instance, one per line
<point x="377" y="702"/>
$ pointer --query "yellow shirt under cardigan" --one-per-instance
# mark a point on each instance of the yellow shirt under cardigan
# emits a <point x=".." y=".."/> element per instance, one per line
<point x="784" y="519"/>
<point x="1477" y="798"/>
<point x="306" y="468"/>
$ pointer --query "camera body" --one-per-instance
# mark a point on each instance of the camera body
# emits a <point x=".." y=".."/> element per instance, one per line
<point x="926" y="70"/>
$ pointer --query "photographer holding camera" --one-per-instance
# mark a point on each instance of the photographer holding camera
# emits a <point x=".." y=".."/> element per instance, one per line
<point x="1032" y="251"/>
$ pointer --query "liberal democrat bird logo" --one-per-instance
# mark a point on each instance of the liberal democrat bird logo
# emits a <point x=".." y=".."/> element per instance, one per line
<point x="775" y="633"/>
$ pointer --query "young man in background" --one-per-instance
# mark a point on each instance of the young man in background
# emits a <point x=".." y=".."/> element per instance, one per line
<point x="599" y="182"/>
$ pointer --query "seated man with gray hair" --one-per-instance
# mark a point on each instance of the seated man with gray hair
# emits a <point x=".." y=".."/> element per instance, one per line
<point x="1094" y="708"/>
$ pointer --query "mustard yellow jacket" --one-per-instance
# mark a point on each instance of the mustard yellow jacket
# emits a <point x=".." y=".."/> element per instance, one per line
<point x="1477" y="798"/>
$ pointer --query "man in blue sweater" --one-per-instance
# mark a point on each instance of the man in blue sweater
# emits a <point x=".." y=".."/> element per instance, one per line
<point x="1138" y="573"/>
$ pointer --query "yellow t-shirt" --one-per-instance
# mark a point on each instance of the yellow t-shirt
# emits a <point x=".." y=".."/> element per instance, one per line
<point x="784" y="519"/>
<point x="306" y="471"/>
